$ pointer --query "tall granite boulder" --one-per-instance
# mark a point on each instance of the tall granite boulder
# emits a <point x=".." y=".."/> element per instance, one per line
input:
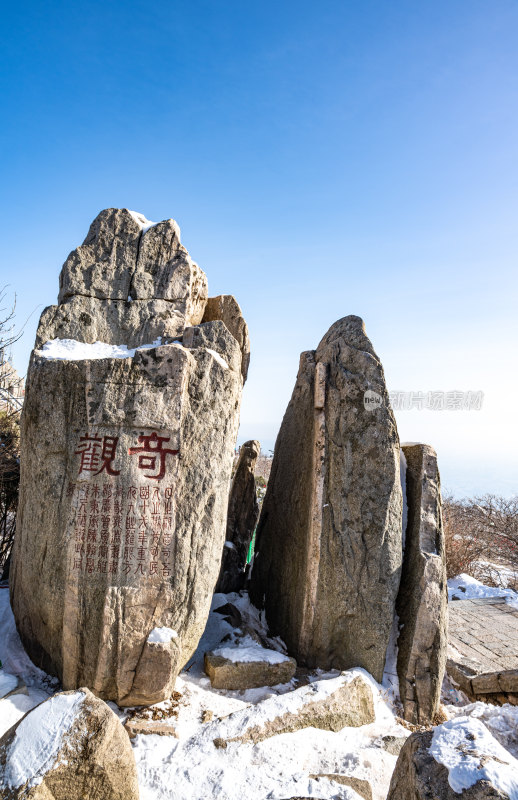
<point x="243" y="513"/>
<point x="422" y="602"/>
<point x="71" y="746"/>
<point x="126" y="465"/>
<point x="328" y="546"/>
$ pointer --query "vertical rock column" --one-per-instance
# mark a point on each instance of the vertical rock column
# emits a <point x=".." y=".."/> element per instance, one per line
<point x="328" y="547"/>
<point x="126" y="465"/>
<point x="243" y="513"/>
<point x="422" y="603"/>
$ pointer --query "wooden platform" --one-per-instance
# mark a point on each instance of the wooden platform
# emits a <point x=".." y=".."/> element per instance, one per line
<point x="483" y="651"/>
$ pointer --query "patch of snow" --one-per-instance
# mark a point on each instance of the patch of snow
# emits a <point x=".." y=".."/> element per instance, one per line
<point x="38" y="739"/>
<point x="502" y="721"/>
<point x="470" y="754"/>
<point x="465" y="587"/>
<point x="141" y="220"/>
<point x="247" y="650"/>
<point x="230" y="545"/>
<point x="390" y="681"/>
<point x="162" y="635"/>
<point x="218" y="358"/>
<point x="8" y="682"/>
<point x="71" y="350"/>
<point x="277" y="767"/>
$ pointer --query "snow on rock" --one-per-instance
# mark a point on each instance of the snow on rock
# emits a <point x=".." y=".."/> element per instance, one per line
<point x="162" y="635"/>
<point x="38" y="739"/>
<point x="16" y="662"/>
<point x="71" y="350"/>
<point x="248" y="650"/>
<point x="502" y="721"/>
<point x="217" y="358"/>
<point x="280" y="766"/>
<point x="470" y="753"/>
<point x="8" y="682"/>
<point x="141" y="220"/>
<point x="464" y="587"/>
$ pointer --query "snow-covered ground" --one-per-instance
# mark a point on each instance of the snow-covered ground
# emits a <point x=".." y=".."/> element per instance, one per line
<point x="189" y="766"/>
<point x="464" y="587"/>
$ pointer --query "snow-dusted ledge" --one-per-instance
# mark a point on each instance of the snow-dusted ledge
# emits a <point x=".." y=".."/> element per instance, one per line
<point x="249" y="651"/>
<point x="72" y="350"/>
<point x="164" y="635"/>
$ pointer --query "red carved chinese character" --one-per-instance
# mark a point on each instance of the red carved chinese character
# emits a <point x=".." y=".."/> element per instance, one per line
<point x="153" y="568"/>
<point x="153" y="454"/>
<point x="166" y="571"/>
<point x="156" y="493"/>
<point x="126" y="568"/>
<point x="78" y="563"/>
<point x="91" y="549"/>
<point x="92" y="536"/>
<point x="103" y="551"/>
<point x="97" y="454"/>
<point x="101" y="566"/>
<point x="130" y="538"/>
<point x="107" y="491"/>
<point x="114" y="566"/>
<point x="144" y="491"/>
<point x="169" y="492"/>
<point x="139" y="568"/>
<point x="141" y="553"/>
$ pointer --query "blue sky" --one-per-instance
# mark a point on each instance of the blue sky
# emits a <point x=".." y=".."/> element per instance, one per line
<point x="321" y="160"/>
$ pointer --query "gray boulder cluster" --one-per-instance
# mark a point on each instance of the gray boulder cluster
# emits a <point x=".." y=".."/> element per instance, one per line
<point x="127" y="505"/>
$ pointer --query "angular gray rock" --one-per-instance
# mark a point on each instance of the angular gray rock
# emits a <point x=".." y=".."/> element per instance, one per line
<point x="226" y="308"/>
<point x="71" y="746"/>
<point x="418" y="776"/>
<point x="328" y="705"/>
<point x="328" y="546"/>
<point x="422" y="602"/>
<point x="243" y="513"/>
<point x="232" y="674"/>
<point x="103" y="265"/>
<point x="90" y="319"/>
<point x="126" y="465"/>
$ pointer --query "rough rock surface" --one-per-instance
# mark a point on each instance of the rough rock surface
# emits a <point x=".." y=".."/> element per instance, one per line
<point x="126" y="465"/>
<point x="328" y="547"/>
<point x="361" y="787"/>
<point x="72" y="746"/>
<point x="422" y="602"/>
<point x="329" y="705"/>
<point x="226" y="308"/>
<point x="225" y="673"/>
<point x="135" y="727"/>
<point x="243" y="513"/>
<point x="90" y="319"/>
<point x="418" y="776"/>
